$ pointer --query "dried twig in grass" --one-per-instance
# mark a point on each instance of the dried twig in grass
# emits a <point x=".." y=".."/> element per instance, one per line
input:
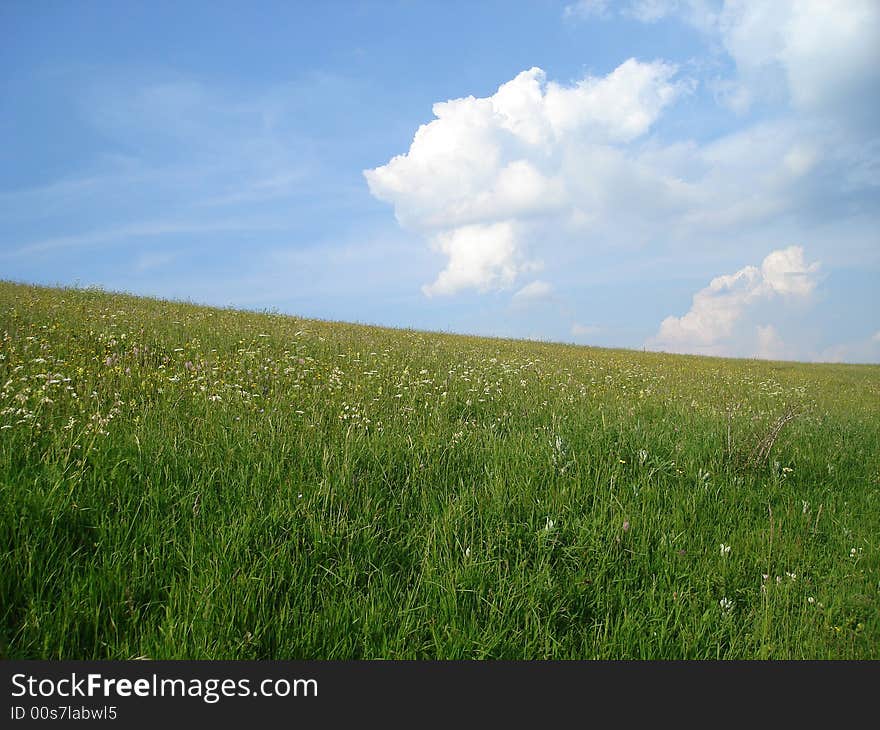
<point x="762" y="449"/>
<point x="818" y="515"/>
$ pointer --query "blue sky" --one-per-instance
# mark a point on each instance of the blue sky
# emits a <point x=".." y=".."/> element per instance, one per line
<point x="679" y="175"/>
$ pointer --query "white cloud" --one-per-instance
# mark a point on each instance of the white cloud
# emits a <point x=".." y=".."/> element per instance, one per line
<point x="721" y="318"/>
<point x="481" y="256"/>
<point x="826" y="52"/>
<point x="832" y="57"/>
<point x="617" y="108"/>
<point x="822" y="56"/>
<point x="534" y="291"/>
<point x="478" y="175"/>
<point x="785" y="272"/>
<point x="482" y="158"/>
<point x="770" y="344"/>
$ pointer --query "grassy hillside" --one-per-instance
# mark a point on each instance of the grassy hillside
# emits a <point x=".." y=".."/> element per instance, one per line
<point x="185" y="482"/>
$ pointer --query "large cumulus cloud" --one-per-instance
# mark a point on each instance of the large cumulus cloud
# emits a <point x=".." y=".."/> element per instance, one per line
<point x="477" y="177"/>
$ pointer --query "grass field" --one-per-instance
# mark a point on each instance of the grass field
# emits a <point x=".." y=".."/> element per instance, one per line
<point x="185" y="482"/>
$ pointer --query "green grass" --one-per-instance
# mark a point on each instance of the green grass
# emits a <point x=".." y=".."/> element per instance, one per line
<point x="185" y="482"/>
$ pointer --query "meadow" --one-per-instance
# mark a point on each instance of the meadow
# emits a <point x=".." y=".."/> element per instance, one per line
<point x="178" y="481"/>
